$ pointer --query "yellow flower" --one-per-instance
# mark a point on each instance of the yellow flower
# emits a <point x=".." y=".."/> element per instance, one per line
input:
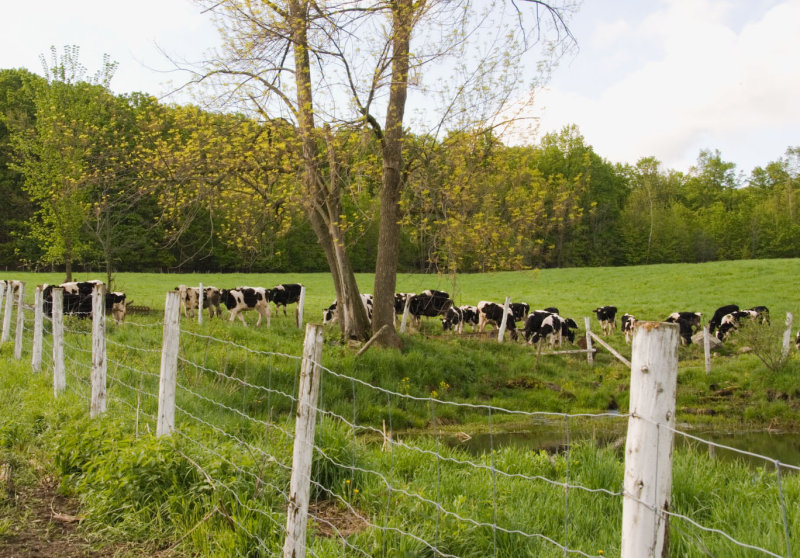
<point x="355" y="490"/>
<point x="347" y="481"/>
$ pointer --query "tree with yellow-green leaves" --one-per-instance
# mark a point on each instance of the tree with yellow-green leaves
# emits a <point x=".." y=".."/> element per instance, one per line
<point x="79" y="164"/>
<point x="336" y="66"/>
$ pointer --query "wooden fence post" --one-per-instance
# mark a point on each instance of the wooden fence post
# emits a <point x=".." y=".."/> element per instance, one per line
<point x="707" y="348"/>
<point x="59" y="376"/>
<point x="301" y="302"/>
<point x="502" y="331"/>
<point x="3" y="288"/>
<point x="38" y="320"/>
<point x="6" y="335"/>
<point x="787" y="336"/>
<point x="294" y="545"/>
<point x="587" y="322"/>
<point x="404" y="321"/>
<point x="98" y="405"/>
<point x="20" y="322"/>
<point x="169" y="366"/>
<point x="648" y="448"/>
<point x="200" y="296"/>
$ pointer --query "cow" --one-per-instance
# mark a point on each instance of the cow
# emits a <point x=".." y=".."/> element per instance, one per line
<point x="469" y="315"/>
<point x="763" y="314"/>
<point x="78" y="300"/>
<point x="693" y="318"/>
<point x="520" y="310"/>
<point x="116" y="305"/>
<point x="628" y="321"/>
<point x="533" y="324"/>
<point x="453" y="319"/>
<point x="492" y="313"/>
<point x="285" y="294"/>
<point x="686" y="326"/>
<point x="400" y="303"/>
<point x="797" y="341"/>
<point x="429" y="303"/>
<point x="607" y="315"/>
<point x="731" y="321"/>
<point x="567" y="325"/>
<point x="720" y="313"/>
<point x="331" y="314"/>
<point x="241" y="299"/>
<point x="190" y="300"/>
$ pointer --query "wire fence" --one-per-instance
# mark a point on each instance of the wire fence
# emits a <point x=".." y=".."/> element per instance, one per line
<point x="389" y="474"/>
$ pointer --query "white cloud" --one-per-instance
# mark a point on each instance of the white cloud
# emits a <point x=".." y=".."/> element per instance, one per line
<point x="709" y="86"/>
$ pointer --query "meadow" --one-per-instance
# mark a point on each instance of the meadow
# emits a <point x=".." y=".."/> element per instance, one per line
<point x="181" y="494"/>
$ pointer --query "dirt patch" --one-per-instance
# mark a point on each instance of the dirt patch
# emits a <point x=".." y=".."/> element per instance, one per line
<point x="37" y="522"/>
<point x="334" y="521"/>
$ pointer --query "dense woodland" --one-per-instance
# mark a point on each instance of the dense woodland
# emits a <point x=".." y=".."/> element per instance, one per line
<point x="93" y="180"/>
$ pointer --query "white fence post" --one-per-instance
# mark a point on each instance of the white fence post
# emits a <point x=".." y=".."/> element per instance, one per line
<point x="300" y="306"/>
<point x="3" y="288"/>
<point x="98" y="405"/>
<point x="59" y="376"/>
<point x="787" y="336"/>
<point x="294" y="545"/>
<point x="404" y="321"/>
<point x="169" y="366"/>
<point x="502" y="331"/>
<point x="707" y="348"/>
<point x="648" y="448"/>
<point x="6" y="335"/>
<point x="20" y="322"/>
<point x="200" y="296"/>
<point x="587" y="322"/>
<point x="38" y="321"/>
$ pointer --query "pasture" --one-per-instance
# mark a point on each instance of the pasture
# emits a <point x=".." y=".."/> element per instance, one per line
<point x="191" y="488"/>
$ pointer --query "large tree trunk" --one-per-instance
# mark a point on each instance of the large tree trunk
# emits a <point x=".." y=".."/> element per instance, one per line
<point x="392" y="146"/>
<point x="323" y="199"/>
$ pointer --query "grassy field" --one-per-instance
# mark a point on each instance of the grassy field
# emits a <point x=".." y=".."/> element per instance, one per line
<point x="649" y="292"/>
<point x="183" y="494"/>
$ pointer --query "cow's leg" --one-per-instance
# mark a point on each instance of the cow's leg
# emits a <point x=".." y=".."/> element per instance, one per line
<point x="481" y="323"/>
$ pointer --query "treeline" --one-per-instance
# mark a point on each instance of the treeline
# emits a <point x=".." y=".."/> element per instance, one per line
<point x="92" y="180"/>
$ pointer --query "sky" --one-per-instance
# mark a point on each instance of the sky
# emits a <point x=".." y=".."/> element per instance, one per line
<point x="661" y="78"/>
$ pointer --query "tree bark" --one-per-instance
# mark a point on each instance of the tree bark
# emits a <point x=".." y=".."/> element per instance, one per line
<point x="392" y="151"/>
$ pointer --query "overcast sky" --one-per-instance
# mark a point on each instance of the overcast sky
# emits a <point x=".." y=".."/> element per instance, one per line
<point x="661" y="78"/>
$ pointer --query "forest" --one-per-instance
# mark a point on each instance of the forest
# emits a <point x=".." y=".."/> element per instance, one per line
<point x="96" y="181"/>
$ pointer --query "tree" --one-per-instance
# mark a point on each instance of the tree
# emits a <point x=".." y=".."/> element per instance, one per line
<point x="358" y="52"/>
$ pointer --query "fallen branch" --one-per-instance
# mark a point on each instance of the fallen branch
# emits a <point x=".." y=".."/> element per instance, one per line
<point x="372" y="340"/>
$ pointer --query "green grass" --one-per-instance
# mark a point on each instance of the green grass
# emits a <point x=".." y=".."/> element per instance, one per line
<point x="214" y="488"/>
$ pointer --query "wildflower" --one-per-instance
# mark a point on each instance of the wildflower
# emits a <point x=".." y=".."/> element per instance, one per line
<point x="355" y="491"/>
<point x="347" y="481"/>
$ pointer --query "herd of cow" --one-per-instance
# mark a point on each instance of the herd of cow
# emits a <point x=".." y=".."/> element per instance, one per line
<point x="545" y="324"/>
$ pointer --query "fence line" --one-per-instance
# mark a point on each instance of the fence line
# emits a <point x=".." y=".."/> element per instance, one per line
<point x="246" y="428"/>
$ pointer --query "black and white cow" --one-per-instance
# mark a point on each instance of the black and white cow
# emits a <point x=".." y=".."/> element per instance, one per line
<point x="763" y="314"/>
<point x="190" y="300"/>
<point x="520" y="310"/>
<point x="694" y="319"/>
<point x="720" y="313"/>
<point x="533" y="324"/>
<point x="453" y="319"/>
<point x="730" y="322"/>
<point x="607" y="315"/>
<point x="242" y="299"/>
<point x="117" y="306"/>
<point x="331" y="314"/>
<point x="686" y="327"/>
<point x="628" y="321"/>
<point x="469" y="316"/>
<point x="285" y="294"/>
<point x="492" y="313"/>
<point x="429" y="303"/>
<point x="78" y="300"/>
